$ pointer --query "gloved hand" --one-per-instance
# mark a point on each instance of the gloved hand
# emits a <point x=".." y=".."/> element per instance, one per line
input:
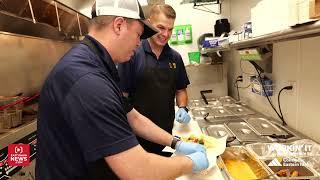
<point x="182" y="116"/>
<point x="189" y="147"/>
<point x="199" y="161"/>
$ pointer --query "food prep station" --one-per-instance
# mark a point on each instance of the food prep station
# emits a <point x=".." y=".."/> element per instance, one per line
<point x="251" y="136"/>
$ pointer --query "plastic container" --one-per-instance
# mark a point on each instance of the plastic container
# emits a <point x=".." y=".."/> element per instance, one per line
<point x="194" y="57"/>
<point x="257" y="86"/>
<point x="237" y="163"/>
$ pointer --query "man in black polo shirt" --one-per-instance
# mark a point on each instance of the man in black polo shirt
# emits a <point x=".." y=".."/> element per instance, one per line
<point x="155" y="75"/>
<point x="86" y="130"/>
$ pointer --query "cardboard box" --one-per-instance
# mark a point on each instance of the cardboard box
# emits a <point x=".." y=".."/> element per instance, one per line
<point x="314" y="9"/>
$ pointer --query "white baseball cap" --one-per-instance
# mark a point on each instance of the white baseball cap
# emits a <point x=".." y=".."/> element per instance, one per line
<point x="124" y="8"/>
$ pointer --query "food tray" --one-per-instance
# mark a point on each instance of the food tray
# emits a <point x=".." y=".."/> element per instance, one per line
<point x="214" y="102"/>
<point x="237" y="163"/>
<point x="301" y="171"/>
<point x="243" y="132"/>
<point x="218" y="131"/>
<point x="262" y="150"/>
<point x="200" y="103"/>
<point x="264" y="127"/>
<point x="210" y="112"/>
<point x="238" y="110"/>
<point x="225" y="100"/>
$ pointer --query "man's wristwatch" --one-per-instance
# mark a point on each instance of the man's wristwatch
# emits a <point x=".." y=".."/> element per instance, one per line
<point x="185" y="108"/>
<point x="174" y="141"/>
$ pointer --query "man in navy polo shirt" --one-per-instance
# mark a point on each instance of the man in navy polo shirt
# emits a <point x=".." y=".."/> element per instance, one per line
<point x="155" y="75"/>
<point x="86" y="129"/>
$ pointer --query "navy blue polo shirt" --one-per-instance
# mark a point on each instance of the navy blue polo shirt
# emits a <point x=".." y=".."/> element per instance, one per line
<point x="131" y="71"/>
<point x="81" y="116"/>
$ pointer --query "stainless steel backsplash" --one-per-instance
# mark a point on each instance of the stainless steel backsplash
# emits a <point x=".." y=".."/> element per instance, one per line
<point x="26" y="61"/>
<point x="207" y="77"/>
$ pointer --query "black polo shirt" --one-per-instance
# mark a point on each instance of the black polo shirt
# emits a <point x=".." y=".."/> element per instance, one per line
<point x="131" y="71"/>
<point x="81" y="116"/>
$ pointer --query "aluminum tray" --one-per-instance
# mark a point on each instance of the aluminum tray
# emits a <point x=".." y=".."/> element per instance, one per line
<point x="243" y="132"/>
<point x="212" y="102"/>
<point x="238" y="110"/>
<point x="225" y="100"/>
<point x="237" y="163"/>
<point x="210" y="112"/>
<point x="196" y="104"/>
<point x="264" y="127"/>
<point x="218" y="131"/>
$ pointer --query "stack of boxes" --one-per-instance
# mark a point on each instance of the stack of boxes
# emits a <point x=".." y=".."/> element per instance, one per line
<point x="270" y="16"/>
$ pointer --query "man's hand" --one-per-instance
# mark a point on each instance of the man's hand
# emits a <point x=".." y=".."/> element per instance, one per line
<point x="199" y="161"/>
<point x="189" y="147"/>
<point x="182" y="116"/>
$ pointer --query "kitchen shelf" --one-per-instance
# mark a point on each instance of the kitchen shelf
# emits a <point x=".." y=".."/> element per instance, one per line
<point x="310" y="29"/>
<point x="212" y="50"/>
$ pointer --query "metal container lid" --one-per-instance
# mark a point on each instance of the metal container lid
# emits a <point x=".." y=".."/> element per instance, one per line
<point x="264" y="127"/>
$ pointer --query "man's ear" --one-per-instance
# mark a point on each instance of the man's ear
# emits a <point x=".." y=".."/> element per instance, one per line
<point x="118" y="24"/>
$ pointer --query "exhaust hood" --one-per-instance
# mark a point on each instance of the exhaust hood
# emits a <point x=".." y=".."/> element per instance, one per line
<point x="81" y="6"/>
<point x="59" y="20"/>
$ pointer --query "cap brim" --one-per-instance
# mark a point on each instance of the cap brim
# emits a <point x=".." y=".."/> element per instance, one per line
<point x="149" y="30"/>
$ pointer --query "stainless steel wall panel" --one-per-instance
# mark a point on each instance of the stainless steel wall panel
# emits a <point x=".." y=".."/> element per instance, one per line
<point x="26" y="61"/>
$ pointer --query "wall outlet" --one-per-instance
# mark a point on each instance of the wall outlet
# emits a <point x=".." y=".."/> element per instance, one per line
<point x="293" y="84"/>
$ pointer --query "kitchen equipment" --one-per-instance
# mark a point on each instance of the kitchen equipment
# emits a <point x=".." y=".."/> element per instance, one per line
<point x="203" y="92"/>
<point x="10" y="118"/>
<point x="11" y="110"/>
<point x="287" y="171"/>
<point x="243" y="132"/>
<point x="214" y="102"/>
<point x="197" y="104"/>
<point x="270" y="150"/>
<point x="264" y="127"/>
<point x="225" y="100"/>
<point x="237" y="163"/>
<point x="238" y="110"/>
<point x="221" y="26"/>
<point x="217" y="131"/>
<point x="211" y="113"/>
<point x="12" y="115"/>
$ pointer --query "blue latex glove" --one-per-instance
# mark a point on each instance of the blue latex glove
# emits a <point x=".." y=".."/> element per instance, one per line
<point x="182" y="116"/>
<point x="199" y="161"/>
<point x="189" y="147"/>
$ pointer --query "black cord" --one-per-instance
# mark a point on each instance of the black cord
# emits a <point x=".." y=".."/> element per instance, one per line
<point x="262" y="84"/>
<point x="279" y="94"/>
<point x="239" y="78"/>
<point x="238" y="90"/>
<point x="279" y="102"/>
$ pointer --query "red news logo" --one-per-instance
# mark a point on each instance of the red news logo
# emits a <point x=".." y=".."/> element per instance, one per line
<point x="18" y="154"/>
